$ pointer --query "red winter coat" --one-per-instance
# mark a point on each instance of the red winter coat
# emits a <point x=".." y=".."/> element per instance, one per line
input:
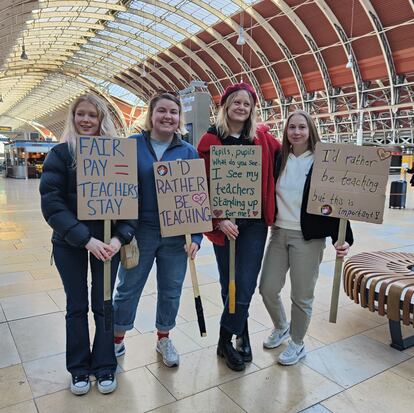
<point x="270" y="146"/>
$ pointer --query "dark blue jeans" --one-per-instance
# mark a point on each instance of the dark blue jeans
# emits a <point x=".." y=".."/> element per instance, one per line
<point x="72" y="264"/>
<point x="249" y="253"/>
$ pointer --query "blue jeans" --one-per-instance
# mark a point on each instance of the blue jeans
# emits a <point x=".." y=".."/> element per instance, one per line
<point x="171" y="260"/>
<point x="249" y="253"/>
<point x="72" y="264"/>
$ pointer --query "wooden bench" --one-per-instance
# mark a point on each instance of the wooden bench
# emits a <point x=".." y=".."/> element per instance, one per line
<point x="384" y="282"/>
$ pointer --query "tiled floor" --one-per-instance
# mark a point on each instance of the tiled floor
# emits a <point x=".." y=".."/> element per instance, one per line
<point x="350" y="366"/>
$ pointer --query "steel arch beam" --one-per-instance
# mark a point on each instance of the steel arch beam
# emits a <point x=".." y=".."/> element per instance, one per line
<point x="230" y="48"/>
<point x="346" y="44"/>
<point x="307" y="36"/>
<point x="211" y="52"/>
<point x="276" y="38"/>
<point x="156" y="58"/>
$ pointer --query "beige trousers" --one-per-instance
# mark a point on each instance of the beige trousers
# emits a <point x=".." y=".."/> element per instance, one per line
<point x="288" y="250"/>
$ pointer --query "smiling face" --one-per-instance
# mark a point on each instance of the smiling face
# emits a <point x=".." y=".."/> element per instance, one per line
<point x="165" y="119"/>
<point x="298" y="134"/>
<point x="86" y="119"/>
<point x="240" y="107"/>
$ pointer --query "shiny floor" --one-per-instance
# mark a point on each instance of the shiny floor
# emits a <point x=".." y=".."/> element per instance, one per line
<point x="350" y="366"/>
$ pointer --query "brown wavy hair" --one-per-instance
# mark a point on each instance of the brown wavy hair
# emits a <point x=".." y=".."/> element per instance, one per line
<point x="154" y="100"/>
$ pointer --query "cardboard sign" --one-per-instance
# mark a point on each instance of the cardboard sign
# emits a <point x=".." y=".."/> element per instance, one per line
<point x="107" y="178"/>
<point x="182" y="193"/>
<point x="236" y="181"/>
<point x="349" y="182"/>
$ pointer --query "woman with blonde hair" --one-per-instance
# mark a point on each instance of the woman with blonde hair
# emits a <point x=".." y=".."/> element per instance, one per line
<point x="161" y="140"/>
<point x="75" y="242"/>
<point x="236" y="125"/>
<point x="297" y="239"/>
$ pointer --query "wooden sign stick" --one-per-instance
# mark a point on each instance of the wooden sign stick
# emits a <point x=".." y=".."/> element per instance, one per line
<point x="232" y="274"/>
<point x="196" y="291"/>
<point x="108" y="314"/>
<point x="337" y="274"/>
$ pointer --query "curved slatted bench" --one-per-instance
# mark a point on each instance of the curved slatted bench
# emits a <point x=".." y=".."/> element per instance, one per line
<point x="384" y="282"/>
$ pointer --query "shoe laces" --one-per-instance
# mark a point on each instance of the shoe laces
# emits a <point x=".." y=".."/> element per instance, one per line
<point x="276" y="333"/>
<point x="81" y="381"/>
<point x="106" y="379"/>
<point x="167" y="347"/>
<point x="292" y="348"/>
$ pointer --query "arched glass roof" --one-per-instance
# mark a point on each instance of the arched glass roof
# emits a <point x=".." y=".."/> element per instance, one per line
<point x="75" y="45"/>
<point x="295" y="55"/>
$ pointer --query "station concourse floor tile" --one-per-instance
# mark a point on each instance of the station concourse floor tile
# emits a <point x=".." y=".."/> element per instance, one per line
<point x="349" y="367"/>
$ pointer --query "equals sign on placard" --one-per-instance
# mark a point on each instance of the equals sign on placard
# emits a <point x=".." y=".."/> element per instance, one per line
<point x="121" y="166"/>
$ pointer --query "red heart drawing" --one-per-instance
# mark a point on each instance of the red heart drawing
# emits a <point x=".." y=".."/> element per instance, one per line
<point x="200" y="198"/>
<point x="217" y="212"/>
<point x="255" y="213"/>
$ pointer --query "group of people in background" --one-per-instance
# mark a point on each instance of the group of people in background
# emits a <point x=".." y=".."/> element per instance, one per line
<point x="297" y="238"/>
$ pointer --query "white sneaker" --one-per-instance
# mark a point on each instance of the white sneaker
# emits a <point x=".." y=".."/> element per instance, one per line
<point x="292" y="354"/>
<point x="119" y="349"/>
<point x="107" y="383"/>
<point x="169" y="354"/>
<point x="276" y="338"/>
<point x="80" y="384"/>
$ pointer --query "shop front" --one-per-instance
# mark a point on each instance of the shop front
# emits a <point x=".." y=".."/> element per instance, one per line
<point x="24" y="159"/>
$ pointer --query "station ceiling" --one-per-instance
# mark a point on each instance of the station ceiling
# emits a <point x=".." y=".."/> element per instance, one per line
<point x="348" y="62"/>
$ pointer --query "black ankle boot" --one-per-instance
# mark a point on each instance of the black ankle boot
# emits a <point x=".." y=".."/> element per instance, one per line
<point x="243" y="345"/>
<point x="226" y="350"/>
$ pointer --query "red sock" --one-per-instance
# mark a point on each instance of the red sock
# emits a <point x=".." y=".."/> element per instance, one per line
<point x="118" y="340"/>
<point x="162" y="335"/>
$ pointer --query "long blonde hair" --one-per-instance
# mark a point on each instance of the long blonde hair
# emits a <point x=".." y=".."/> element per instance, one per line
<point x="222" y="122"/>
<point x="153" y="102"/>
<point x="286" y="147"/>
<point x="106" y="124"/>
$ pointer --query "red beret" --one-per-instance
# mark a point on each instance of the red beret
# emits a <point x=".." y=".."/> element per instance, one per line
<point x="235" y="88"/>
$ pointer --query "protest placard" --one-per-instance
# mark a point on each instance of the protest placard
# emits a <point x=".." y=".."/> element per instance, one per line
<point x="349" y="182"/>
<point x="236" y="181"/>
<point x="107" y="178"/>
<point x="182" y="193"/>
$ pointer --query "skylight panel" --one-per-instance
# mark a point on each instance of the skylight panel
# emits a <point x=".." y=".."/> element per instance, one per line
<point x="202" y="14"/>
<point x="183" y="23"/>
<point x="115" y="35"/>
<point x="123" y="57"/>
<point x="148" y="8"/>
<point x="137" y="54"/>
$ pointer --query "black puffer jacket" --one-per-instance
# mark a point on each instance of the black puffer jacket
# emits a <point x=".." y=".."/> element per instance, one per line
<point x="59" y="204"/>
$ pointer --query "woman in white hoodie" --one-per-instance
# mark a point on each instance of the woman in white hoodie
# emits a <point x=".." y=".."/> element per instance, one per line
<point x="297" y="239"/>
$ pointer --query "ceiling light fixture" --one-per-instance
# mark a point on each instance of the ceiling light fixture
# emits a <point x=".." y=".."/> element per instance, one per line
<point x="23" y="56"/>
<point x="241" y="40"/>
<point x="350" y="63"/>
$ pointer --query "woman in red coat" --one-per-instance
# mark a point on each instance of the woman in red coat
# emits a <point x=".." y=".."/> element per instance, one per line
<point x="236" y="125"/>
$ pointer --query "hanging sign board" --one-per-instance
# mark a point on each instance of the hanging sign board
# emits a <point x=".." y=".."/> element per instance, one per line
<point x="182" y="193"/>
<point x="107" y="178"/>
<point x="236" y="181"/>
<point x="349" y="182"/>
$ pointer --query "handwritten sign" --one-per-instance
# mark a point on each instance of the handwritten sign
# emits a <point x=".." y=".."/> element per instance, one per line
<point x="182" y="193"/>
<point x="236" y="181"/>
<point x="107" y="178"/>
<point x="349" y="182"/>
